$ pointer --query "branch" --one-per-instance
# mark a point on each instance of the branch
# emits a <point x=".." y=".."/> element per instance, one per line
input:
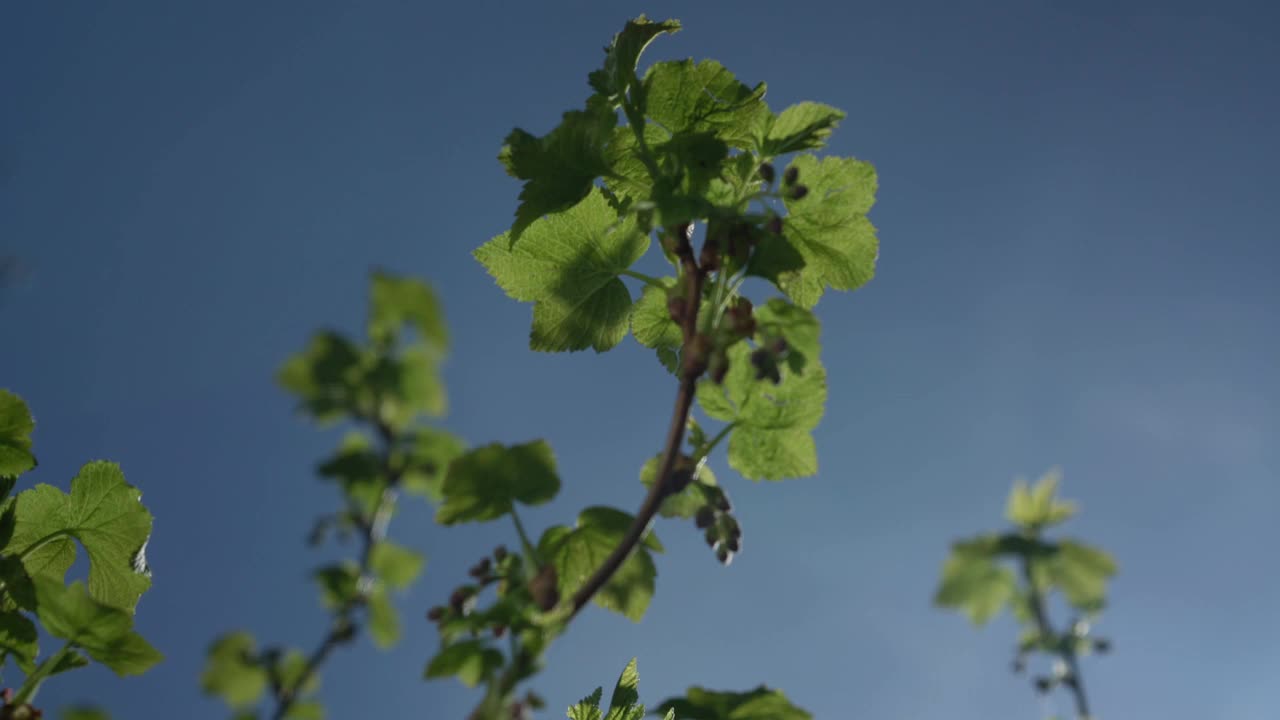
<point x="372" y="531"/>
<point x="1065" y="650"/>
<point x="675" y="436"/>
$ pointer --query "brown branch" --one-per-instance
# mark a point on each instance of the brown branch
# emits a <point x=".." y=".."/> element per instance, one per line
<point x="671" y="450"/>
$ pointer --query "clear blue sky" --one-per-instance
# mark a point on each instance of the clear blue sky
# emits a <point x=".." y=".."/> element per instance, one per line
<point x="1077" y="268"/>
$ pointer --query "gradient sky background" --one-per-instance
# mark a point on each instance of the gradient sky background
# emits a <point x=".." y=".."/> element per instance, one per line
<point x="1077" y="268"/>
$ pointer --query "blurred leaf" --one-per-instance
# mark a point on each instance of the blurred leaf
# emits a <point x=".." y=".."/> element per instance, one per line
<point x="485" y="483"/>
<point x="19" y="640"/>
<point x="470" y="661"/>
<point x="973" y="582"/>
<point x="232" y="672"/>
<point x="758" y="704"/>
<point x="384" y="621"/>
<point x="577" y="553"/>
<point x="397" y="301"/>
<point x="395" y="565"/>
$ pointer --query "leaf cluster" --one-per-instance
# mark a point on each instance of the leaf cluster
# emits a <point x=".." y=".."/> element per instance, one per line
<point x="40" y="531"/>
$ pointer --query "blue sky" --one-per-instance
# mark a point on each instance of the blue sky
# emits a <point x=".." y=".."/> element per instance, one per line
<point x="1077" y="269"/>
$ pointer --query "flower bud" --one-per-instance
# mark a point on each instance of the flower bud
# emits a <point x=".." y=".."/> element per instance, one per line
<point x="499" y="630"/>
<point x="766" y="172"/>
<point x="799" y="191"/>
<point x="676" y="307"/>
<point x="436" y="614"/>
<point x="724" y="555"/>
<point x="500" y="553"/>
<point x="791" y="175"/>
<point x="705" y="518"/>
<point x="774" y="225"/>
<point x="711" y="536"/>
<point x="697" y="353"/>
<point x="543" y="588"/>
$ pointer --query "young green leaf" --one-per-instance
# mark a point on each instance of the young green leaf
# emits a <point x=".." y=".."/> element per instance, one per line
<point x="805" y="126"/>
<point x="485" y="483"/>
<point x="588" y="708"/>
<point x="384" y="621"/>
<point x="827" y="230"/>
<point x="771" y="437"/>
<point x="560" y="168"/>
<point x="305" y="710"/>
<point x="395" y="565"/>
<point x="622" y="55"/>
<point x="85" y="713"/>
<point x="758" y="704"/>
<point x="232" y="671"/>
<point x="103" y="631"/>
<point x="577" y="552"/>
<point x="651" y="321"/>
<point x="339" y="584"/>
<point x="568" y="265"/>
<point x="105" y="514"/>
<point x="428" y="454"/>
<point x="326" y="377"/>
<point x="973" y="582"/>
<point x="396" y="301"/>
<point x="1037" y="508"/>
<point x="625" y="703"/>
<point x="15" y="437"/>
<point x="682" y="96"/>
<point x="470" y="661"/>
<point x="1081" y="572"/>
<point x="19" y="640"/>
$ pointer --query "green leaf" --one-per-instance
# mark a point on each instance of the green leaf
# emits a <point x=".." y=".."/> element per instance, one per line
<point x="471" y="662"/>
<point x="827" y="231"/>
<point x="483" y="484"/>
<point x="406" y="386"/>
<point x="15" y="437"/>
<point x="85" y="713"/>
<point x="103" y="631"/>
<point x="1038" y="508"/>
<point x="384" y="621"/>
<point x="19" y="640"/>
<point x="106" y="515"/>
<point x="588" y="708"/>
<point x="559" y="169"/>
<point x="397" y="566"/>
<point x="339" y="584"/>
<point x="805" y="126"/>
<point x="798" y="326"/>
<point x="305" y="710"/>
<point x="291" y="667"/>
<point x="1081" y="572"/>
<point x="17" y="584"/>
<point x="625" y="703"/>
<point x="326" y="376"/>
<point x="771" y="437"/>
<point x="684" y="504"/>
<point x="397" y="301"/>
<point x="758" y="704"/>
<point x="577" y="553"/>
<point x="682" y="96"/>
<point x="232" y="671"/>
<point x="973" y="582"/>
<point x="428" y="454"/>
<point x="651" y="321"/>
<point x="622" y="55"/>
<point x="568" y="266"/>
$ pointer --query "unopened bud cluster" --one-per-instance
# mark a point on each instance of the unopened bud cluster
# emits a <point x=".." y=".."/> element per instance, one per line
<point x="722" y="532"/>
<point x="501" y="568"/>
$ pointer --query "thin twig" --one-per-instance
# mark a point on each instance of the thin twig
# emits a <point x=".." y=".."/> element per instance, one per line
<point x="372" y="531"/>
